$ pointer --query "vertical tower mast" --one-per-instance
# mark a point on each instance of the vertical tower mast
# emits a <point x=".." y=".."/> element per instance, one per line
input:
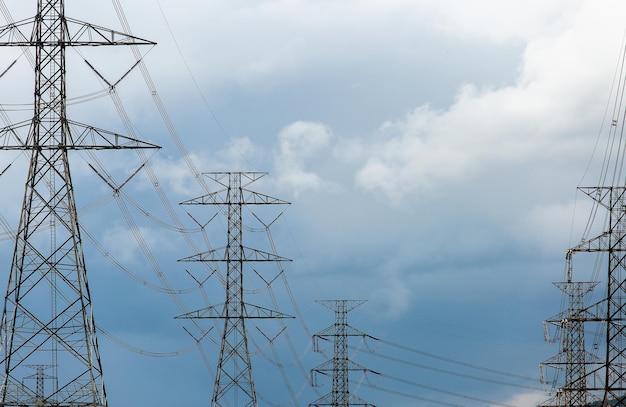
<point x="234" y="385"/>
<point x="47" y="318"/>
<point x="340" y="365"/>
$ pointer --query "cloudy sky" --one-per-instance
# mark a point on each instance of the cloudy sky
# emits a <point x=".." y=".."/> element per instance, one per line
<point x="430" y="150"/>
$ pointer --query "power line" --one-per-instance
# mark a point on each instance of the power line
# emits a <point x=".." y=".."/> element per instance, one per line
<point x="467" y="376"/>
<point x="458" y="362"/>
<point x="442" y="391"/>
<point x="411" y="396"/>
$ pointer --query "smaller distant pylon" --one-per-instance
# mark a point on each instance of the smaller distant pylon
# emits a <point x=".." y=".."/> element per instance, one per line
<point x="573" y="358"/>
<point x="340" y="365"/>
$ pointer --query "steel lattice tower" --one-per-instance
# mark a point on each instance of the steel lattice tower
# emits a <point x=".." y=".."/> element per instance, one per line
<point x="47" y="321"/>
<point x="340" y="366"/>
<point x="234" y="385"/>
<point x="573" y="358"/>
<point x="612" y="367"/>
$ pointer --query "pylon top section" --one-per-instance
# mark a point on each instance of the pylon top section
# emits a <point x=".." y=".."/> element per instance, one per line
<point x="223" y="197"/>
<point x="341" y="305"/>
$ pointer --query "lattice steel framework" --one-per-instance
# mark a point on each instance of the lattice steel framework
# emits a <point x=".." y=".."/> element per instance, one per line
<point x="234" y="384"/>
<point x="611" y="311"/>
<point x="574" y="358"/>
<point x="340" y="366"/>
<point x="47" y="320"/>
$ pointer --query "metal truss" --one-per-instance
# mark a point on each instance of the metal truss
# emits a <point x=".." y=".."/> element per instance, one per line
<point x="340" y="366"/>
<point x="234" y="384"/>
<point x="47" y="321"/>
<point x="600" y="379"/>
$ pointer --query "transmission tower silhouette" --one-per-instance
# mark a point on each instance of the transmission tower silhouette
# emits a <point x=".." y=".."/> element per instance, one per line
<point x="47" y="320"/>
<point x="234" y="384"/>
<point x="612" y="368"/>
<point x="598" y="375"/>
<point x="340" y="366"/>
<point x="574" y="358"/>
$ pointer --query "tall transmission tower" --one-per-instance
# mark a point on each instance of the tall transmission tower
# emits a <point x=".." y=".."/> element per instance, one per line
<point x="340" y="366"/>
<point x="234" y="384"/>
<point x="612" y="369"/>
<point x="47" y="320"/>
<point x="600" y="375"/>
<point x="574" y="357"/>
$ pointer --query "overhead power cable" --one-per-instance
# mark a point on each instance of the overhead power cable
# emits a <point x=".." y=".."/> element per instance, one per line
<point x="458" y="362"/>
<point x="143" y="352"/>
<point x="411" y="396"/>
<point x="435" y="369"/>
<point x="442" y="391"/>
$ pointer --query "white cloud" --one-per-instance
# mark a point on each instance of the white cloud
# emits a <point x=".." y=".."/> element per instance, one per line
<point x="553" y="228"/>
<point x="282" y="38"/>
<point x="179" y="178"/>
<point x="526" y="399"/>
<point x="299" y="144"/>
<point x="558" y="97"/>
<point x="237" y="154"/>
<point x="500" y="20"/>
<point x="122" y="243"/>
<point x="395" y="296"/>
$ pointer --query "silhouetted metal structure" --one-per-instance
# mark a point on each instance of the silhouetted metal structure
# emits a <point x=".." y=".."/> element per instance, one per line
<point x="340" y="366"/>
<point x="611" y="310"/>
<point x="234" y="384"/>
<point x="597" y="377"/>
<point x="573" y="358"/>
<point x="47" y="321"/>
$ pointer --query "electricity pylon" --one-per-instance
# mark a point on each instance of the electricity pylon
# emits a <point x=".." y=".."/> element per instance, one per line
<point x="574" y="358"/>
<point x="234" y="384"/>
<point x="610" y="312"/>
<point x="47" y="320"/>
<point x="340" y="366"/>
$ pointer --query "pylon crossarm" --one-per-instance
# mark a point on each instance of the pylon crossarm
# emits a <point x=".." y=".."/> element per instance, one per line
<point x="82" y="137"/>
<point x="349" y="331"/>
<point x="255" y="311"/>
<point x="602" y="194"/>
<point x="582" y="287"/>
<point x="221" y="198"/>
<point x="597" y="244"/>
<point x="248" y="254"/>
<point x="330" y="366"/>
<point x="10" y="134"/>
<point x="327" y="400"/>
<point x="92" y="138"/>
<point x="249" y="311"/>
<point x="79" y="33"/>
<point x="582" y="315"/>
<point x="11" y="35"/>
<point x="255" y="198"/>
<point x="223" y="177"/>
<point x="91" y="34"/>
<point x="11" y="387"/>
<point x="210" y="255"/>
<point x="349" y="304"/>
<point x="208" y="199"/>
<point x="213" y="312"/>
